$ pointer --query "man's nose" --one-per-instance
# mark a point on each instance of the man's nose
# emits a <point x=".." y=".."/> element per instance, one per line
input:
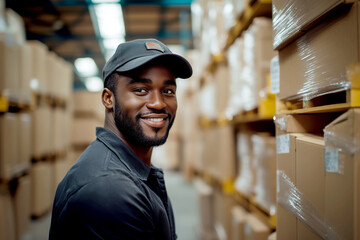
<point x="156" y="101"/>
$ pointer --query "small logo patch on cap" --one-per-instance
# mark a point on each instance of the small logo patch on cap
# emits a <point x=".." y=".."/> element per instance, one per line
<point x="153" y="45"/>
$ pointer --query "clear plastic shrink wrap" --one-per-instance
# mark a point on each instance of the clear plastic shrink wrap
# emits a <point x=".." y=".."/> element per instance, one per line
<point x="257" y="55"/>
<point x="291" y="17"/>
<point x="235" y="62"/>
<point x="293" y="200"/>
<point x="315" y="63"/>
<point x="264" y="148"/>
<point x="245" y="180"/>
<point x="340" y="218"/>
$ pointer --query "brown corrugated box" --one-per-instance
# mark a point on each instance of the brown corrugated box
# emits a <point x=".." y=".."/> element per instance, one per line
<point x="7" y="219"/>
<point x="39" y="58"/>
<point x="9" y="72"/>
<point x="41" y="188"/>
<point x="288" y="129"/>
<point x="88" y="104"/>
<point x="264" y="148"/>
<point x="316" y="62"/>
<point x="25" y="67"/>
<point x="292" y="18"/>
<point x="223" y="203"/>
<point x="9" y="152"/>
<point x="285" y="221"/>
<point x="22" y="203"/>
<point x="42" y="142"/>
<point x="342" y="195"/>
<point x="310" y="179"/>
<point x="84" y="130"/>
<point x="224" y="153"/>
<point x="24" y="140"/>
<point x="205" y="201"/>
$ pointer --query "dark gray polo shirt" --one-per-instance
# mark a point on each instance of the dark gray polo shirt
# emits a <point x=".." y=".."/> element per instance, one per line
<point x="109" y="193"/>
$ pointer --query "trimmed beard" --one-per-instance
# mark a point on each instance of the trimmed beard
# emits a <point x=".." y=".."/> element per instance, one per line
<point x="133" y="132"/>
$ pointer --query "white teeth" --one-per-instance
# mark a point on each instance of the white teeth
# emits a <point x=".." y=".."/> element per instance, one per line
<point x="155" y="119"/>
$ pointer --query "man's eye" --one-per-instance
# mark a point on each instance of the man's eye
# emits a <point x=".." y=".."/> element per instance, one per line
<point x="140" y="90"/>
<point x="168" y="91"/>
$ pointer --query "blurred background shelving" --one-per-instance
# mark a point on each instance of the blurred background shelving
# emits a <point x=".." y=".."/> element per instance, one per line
<point x="266" y="140"/>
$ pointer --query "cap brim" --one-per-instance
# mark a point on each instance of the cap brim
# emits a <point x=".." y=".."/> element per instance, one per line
<point x="178" y="65"/>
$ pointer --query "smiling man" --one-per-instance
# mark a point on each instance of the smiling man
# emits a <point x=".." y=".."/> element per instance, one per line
<point x="113" y="191"/>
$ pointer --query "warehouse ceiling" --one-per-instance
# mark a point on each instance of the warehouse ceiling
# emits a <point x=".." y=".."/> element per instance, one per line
<point x="66" y="26"/>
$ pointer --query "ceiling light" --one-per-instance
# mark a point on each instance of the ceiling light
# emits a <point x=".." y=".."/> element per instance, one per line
<point x="86" y="67"/>
<point x="93" y="84"/>
<point x="105" y="1"/>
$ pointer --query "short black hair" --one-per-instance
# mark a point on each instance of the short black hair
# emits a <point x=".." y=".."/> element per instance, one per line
<point x="110" y="82"/>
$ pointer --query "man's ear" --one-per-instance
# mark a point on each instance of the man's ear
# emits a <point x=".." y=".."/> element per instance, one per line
<point x="108" y="99"/>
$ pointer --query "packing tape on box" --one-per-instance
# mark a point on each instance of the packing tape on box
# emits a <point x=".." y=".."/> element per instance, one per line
<point x="334" y="144"/>
<point x="289" y="197"/>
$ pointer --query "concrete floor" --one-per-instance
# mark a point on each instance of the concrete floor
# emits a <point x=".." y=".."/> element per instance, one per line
<point x="183" y="199"/>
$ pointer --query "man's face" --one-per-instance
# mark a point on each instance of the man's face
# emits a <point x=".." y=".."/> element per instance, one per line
<point x="145" y="106"/>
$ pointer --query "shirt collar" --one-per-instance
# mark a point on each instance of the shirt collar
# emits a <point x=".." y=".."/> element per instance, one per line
<point x="124" y="153"/>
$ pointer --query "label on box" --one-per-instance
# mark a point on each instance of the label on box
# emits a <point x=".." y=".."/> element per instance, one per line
<point x="283" y="144"/>
<point x="331" y="160"/>
<point x="275" y="75"/>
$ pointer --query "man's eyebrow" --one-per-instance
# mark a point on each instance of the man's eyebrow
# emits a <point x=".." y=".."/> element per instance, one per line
<point x="139" y="80"/>
<point x="170" y="82"/>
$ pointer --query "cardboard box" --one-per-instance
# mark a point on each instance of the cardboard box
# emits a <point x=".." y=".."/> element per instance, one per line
<point x="84" y="130"/>
<point x="9" y="152"/>
<point x="39" y="60"/>
<point x="303" y="123"/>
<point x="7" y="219"/>
<point x="167" y="156"/>
<point x="41" y="188"/>
<point x="22" y="202"/>
<point x="9" y="71"/>
<point x="285" y="220"/>
<point x="316" y="62"/>
<point x="264" y="148"/>
<point x="88" y="104"/>
<point x="24" y="139"/>
<point x="292" y="18"/>
<point x="205" y="200"/>
<point x="310" y="179"/>
<point x="255" y="229"/>
<point x="223" y="203"/>
<point x="221" y="78"/>
<point x="246" y="179"/>
<point x="238" y="216"/>
<point x="342" y="195"/>
<point x="42" y="141"/>
<point x="224" y="154"/>
<point x="25" y="67"/>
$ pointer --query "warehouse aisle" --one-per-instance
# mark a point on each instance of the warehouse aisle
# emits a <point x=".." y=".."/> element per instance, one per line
<point x="183" y="197"/>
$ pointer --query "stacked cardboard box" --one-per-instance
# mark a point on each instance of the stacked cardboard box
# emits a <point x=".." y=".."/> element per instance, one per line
<point x="36" y="82"/>
<point x="249" y="59"/>
<point x="246" y="173"/>
<point x="264" y="149"/>
<point x="316" y="61"/>
<point x="319" y="176"/>
<point x="88" y="113"/>
<point x="206" y="208"/>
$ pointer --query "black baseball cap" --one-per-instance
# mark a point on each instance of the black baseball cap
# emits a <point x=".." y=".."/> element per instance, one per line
<point x="134" y="54"/>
